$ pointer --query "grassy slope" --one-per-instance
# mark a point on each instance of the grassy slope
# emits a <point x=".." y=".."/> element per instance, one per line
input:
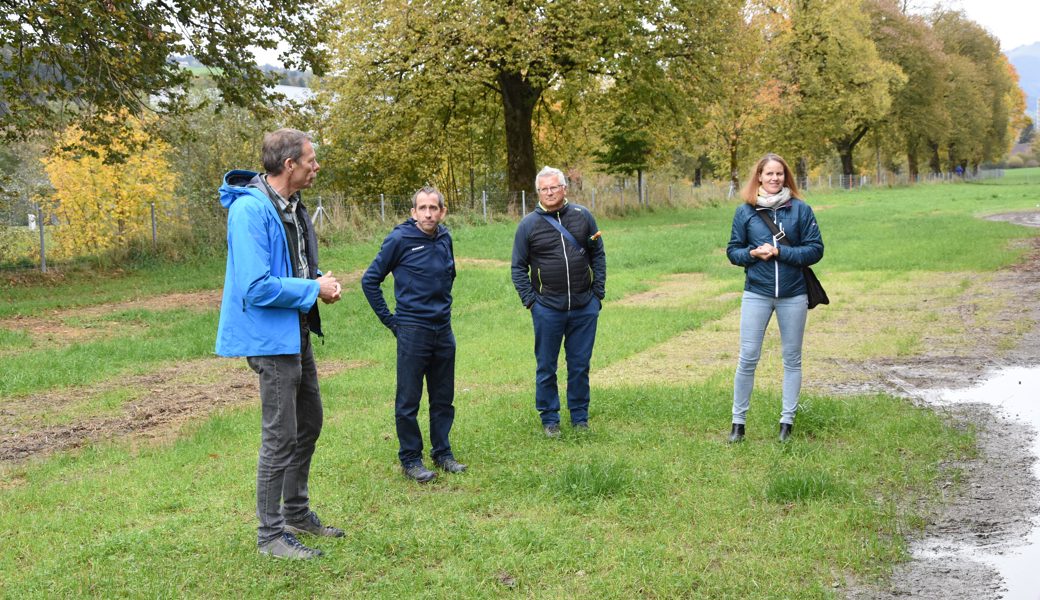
<point x="651" y="503"/>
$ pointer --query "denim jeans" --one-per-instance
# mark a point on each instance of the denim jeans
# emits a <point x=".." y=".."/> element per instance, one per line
<point x="755" y="311"/>
<point x="576" y="330"/>
<point x="291" y="423"/>
<point x="430" y="353"/>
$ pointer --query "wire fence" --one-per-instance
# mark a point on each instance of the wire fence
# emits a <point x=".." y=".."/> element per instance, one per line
<point x="28" y="231"/>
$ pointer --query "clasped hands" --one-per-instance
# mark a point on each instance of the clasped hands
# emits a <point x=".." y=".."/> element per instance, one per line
<point x="330" y="288"/>
<point x="765" y="252"/>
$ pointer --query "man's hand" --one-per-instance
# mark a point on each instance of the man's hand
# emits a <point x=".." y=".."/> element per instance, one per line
<point x="330" y="289"/>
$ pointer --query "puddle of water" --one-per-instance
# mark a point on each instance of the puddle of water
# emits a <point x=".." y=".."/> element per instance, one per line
<point x="1016" y="393"/>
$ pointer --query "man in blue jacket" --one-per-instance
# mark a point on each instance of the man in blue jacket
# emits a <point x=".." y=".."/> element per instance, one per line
<point x="420" y="255"/>
<point x="560" y="272"/>
<point x="269" y="308"/>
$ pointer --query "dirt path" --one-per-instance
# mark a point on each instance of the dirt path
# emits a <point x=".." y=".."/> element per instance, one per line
<point x="150" y="407"/>
<point x="994" y="506"/>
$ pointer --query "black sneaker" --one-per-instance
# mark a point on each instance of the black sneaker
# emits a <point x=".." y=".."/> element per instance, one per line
<point x="419" y="473"/>
<point x="312" y="525"/>
<point x="287" y="546"/>
<point x="552" y="430"/>
<point x="449" y="464"/>
<point x="581" y="426"/>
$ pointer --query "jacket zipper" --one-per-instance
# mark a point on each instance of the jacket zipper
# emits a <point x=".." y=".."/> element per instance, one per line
<point x="566" y="263"/>
<point x="776" y="265"/>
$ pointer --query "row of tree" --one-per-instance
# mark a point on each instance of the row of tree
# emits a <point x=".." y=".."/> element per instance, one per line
<point x="472" y="94"/>
<point x="451" y="90"/>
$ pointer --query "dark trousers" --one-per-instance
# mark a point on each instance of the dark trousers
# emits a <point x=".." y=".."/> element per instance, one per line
<point x="576" y="330"/>
<point x="291" y="423"/>
<point x="430" y="353"/>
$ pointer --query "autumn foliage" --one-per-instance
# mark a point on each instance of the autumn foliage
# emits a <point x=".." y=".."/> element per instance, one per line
<point x="106" y="206"/>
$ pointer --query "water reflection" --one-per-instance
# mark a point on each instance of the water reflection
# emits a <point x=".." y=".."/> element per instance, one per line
<point x="1016" y="393"/>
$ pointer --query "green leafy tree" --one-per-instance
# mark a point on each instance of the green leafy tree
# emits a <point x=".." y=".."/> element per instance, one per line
<point x="411" y="66"/>
<point x="839" y="85"/>
<point x="983" y="98"/>
<point x="744" y="92"/>
<point x="89" y="60"/>
<point x="918" y="111"/>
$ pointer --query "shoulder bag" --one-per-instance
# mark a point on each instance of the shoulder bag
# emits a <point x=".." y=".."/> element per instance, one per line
<point x="814" y="289"/>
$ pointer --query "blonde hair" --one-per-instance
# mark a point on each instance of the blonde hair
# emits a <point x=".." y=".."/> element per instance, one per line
<point x="750" y="190"/>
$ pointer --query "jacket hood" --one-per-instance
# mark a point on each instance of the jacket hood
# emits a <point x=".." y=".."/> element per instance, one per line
<point x="236" y="183"/>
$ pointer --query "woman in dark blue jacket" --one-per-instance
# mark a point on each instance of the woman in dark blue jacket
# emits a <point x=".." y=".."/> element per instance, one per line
<point x="773" y="281"/>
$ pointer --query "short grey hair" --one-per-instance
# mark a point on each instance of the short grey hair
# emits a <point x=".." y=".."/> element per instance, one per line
<point x="280" y="145"/>
<point x="428" y="189"/>
<point x="547" y="171"/>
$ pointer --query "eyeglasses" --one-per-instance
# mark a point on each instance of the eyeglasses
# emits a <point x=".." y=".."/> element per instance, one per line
<point x="552" y="189"/>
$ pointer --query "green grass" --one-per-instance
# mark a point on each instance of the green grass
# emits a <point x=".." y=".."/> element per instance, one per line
<point x="651" y="503"/>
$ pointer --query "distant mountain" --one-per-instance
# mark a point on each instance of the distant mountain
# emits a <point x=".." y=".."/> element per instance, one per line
<point x="285" y="77"/>
<point x="1026" y="60"/>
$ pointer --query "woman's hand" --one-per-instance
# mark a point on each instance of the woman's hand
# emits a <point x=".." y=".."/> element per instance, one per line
<point x="765" y="252"/>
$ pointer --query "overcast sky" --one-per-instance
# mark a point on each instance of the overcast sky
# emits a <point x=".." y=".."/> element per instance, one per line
<point x="1014" y="22"/>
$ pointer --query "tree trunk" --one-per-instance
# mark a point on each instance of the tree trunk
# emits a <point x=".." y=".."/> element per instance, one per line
<point x="801" y="172"/>
<point x="519" y="98"/>
<point x="734" y="177"/>
<point x="911" y="158"/>
<point x="933" y="161"/>
<point x="846" y="146"/>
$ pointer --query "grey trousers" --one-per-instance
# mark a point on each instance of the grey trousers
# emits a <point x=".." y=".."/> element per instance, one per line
<point x="291" y="424"/>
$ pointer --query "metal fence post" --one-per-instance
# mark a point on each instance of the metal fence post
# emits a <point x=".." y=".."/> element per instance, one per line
<point x="483" y="202"/>
<point x="523" y="202"/>
<point x="382" y="208"/>
<point x="155" y="237"/>
<point x="593" y="199"/>
<point x="43" y="245"/>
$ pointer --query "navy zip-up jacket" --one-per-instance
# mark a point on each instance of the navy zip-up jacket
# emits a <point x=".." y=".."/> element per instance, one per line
<point x="548" y="269"/>
<point x="424" y="271"/>
<point x="780" y="277"/>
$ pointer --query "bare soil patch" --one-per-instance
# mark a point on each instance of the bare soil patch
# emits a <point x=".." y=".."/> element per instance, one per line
<point x="994" y="506"/>
<point x="54" y="327"/>
<point x="154" y="408"/>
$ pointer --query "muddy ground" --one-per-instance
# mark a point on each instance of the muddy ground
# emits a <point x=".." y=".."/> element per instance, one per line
<point x="993" y="505"/>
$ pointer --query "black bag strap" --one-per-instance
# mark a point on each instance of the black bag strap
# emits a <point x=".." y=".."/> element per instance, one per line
<point x="780" y="236"/>
<point x="566" y="234"/>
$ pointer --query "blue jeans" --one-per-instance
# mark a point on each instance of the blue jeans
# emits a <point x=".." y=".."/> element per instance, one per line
<point x="576" y="329"/>
<point x="755" y="311"/>
<point x="430" y="353"/>
<point x="290" y="425"/>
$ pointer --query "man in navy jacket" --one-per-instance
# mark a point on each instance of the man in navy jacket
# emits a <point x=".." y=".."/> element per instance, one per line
<point x="560" y="272"/>
<point x="420" y="255"/>
<point x="269" y="308"/>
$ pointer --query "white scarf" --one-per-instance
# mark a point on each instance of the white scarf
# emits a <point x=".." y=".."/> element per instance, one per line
<point x="773" y="201"/>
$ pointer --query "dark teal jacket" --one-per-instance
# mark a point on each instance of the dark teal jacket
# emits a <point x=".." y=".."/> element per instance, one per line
<point x="424" y="272"/>
<point x="782" y="276"/>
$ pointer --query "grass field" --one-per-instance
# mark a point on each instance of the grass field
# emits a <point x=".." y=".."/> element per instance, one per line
<point x="650" y="503"/>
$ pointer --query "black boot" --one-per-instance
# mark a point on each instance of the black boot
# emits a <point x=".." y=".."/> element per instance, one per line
<point x="785" y="431"/>
<point x="737" y="433"/>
